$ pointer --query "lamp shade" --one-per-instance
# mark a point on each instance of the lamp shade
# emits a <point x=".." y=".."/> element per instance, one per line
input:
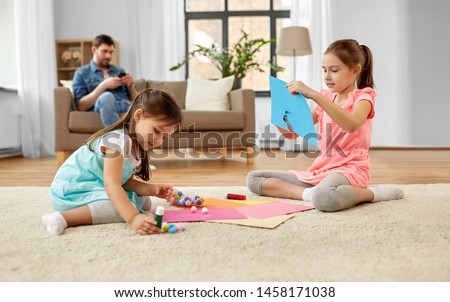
<point x="293" y="41"/>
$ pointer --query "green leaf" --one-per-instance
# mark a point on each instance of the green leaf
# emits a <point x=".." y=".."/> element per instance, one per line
<point x="237" y="60"/>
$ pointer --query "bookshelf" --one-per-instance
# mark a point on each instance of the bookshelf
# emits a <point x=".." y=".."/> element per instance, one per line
<point x="72" y="54"/>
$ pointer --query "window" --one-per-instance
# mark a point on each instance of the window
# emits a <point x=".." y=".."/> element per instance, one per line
<point x="221" y="22"/>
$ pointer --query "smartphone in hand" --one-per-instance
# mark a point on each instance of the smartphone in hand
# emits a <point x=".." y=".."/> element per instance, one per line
<point x="122" y="74"/>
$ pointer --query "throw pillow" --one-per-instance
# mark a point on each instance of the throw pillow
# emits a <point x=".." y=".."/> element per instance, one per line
<point x="208" y="95"/>
<point x="67" y="84"/>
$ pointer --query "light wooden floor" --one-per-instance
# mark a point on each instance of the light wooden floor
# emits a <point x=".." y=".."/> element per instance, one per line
<point x="401" y="166"/>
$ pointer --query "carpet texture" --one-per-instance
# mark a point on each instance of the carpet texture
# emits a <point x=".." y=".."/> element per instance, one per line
<point x="402" y="240"/>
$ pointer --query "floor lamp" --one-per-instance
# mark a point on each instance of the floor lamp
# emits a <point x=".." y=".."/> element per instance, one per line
<point x="293" y="41"/>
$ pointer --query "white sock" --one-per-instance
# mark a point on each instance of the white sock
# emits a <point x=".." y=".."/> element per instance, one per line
<point x="381" y="193"/>
<point x="307" y="194"/>
<point x="54" y="223"/>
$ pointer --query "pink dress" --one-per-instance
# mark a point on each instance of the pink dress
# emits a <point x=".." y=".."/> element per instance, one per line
<point x="342" y="152"/>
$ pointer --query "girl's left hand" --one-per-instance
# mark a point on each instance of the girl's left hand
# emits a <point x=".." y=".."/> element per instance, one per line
<point x="296" y="87"/>
<point x="163" y="191"/>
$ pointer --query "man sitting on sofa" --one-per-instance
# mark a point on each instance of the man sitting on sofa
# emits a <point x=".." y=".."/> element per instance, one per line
<point x="103" y="87"/>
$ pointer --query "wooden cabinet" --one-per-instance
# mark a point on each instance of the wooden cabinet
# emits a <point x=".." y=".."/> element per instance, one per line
<point x="72" y="54"/>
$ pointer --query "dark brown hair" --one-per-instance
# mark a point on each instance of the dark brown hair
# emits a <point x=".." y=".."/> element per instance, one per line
<point x="352" y="53"/>
<point x="103" y="39"/>
<point x="154" y="103"/>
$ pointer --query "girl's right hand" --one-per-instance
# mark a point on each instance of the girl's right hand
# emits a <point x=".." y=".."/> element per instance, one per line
<point x="163" y="191"/>
<point x="144" y="225"/>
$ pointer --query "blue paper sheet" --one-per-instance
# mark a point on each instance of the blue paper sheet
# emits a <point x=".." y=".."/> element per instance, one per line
<point x="291" y="108"/>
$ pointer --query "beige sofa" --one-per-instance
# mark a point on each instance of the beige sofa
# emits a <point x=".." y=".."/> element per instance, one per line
<point x="233" y="128"/>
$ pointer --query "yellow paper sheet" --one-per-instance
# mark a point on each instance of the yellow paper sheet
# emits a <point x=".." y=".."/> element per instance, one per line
<point x="251" y="202"/>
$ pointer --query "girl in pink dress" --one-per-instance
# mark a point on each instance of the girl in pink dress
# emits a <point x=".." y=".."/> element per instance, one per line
<point x="339" y="177"/>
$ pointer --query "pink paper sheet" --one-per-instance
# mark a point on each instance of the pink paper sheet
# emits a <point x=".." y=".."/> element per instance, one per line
<point x="270" y="209"/>
<point x="213" y="214"/>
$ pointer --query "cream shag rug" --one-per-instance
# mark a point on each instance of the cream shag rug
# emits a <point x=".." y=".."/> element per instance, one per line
<point x="402" y="240"/>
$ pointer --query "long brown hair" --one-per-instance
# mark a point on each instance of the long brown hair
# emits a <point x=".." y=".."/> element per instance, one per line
<point x="351" y="53"/>
<point x="154" y="103"/>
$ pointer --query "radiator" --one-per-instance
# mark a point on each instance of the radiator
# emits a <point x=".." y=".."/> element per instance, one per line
<point x="10" y="134"/>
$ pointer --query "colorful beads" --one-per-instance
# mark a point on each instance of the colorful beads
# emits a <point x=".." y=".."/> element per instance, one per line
<point x="185" y="201"/>
<point x="171" y="228"/>
<point x="164" y="227"/>
<point x="180" y="227"/>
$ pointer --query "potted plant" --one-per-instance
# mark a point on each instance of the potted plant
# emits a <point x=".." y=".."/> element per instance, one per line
<point x="237" y="60"/>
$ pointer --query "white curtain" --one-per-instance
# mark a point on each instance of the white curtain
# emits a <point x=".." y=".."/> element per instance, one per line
<point x="158" y="38"/>
<point x="36" y="72"/>
<point x="317" y="16"/>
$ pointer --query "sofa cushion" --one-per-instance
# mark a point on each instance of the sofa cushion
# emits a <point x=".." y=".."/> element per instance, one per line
<point x="176" y="88"/>
<point x="211" y="95"/>
<point x="140" y="85"/>
<point x="90" y="122"/>
<point x="85" y="121"/>
<point x="213" y="120"/>
<point x="67" y="84"/>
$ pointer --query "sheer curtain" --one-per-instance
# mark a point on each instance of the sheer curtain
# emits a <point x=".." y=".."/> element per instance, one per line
<point x="317" y="16"/>
<point x="158" y="38"/>
<point x="36" y="72"/>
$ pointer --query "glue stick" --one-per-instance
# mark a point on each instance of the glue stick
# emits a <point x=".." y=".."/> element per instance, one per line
<point x="236" y="196"/>
<point x="159" y="216"/>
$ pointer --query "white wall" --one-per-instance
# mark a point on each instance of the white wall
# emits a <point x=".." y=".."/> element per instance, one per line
<point x="411" y="47"/>
<point x="10" y="133"/>
<point x="429" y="76"/>
<point x="85" y="19"/>
<point x="382" y="26"/>
<point x="8" y="70"/>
